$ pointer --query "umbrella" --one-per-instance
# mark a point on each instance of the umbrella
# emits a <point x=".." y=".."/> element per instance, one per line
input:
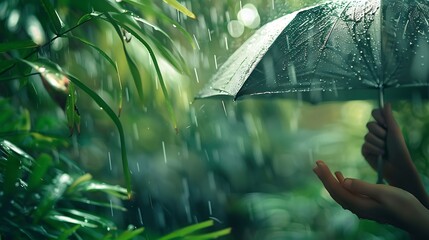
<point x="335" y="51"/>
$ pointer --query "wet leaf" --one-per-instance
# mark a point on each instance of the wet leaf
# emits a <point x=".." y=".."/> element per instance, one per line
<point x="41" y="166"/>
<point x="13" y="45"/>
<point x="84" y="178"/>
<point x="54" y="193"/>
<point x="131" y="64"/>
<point x="110" y="60"/>
<point x="87" y="217"/>
<point x="67" y="219"/>
<point x="151" y="9"/>
<point x="106" y="108"/>
<point x="72" y="113"/>
<point x="180" y="7"/>
<point x="134" y="30"/>
<point x="100" y="204"/>
<point x="54" y="18"/>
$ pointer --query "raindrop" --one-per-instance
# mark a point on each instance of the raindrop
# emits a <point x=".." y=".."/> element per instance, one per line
<point x="163" y="151"/>
<point x="212" y="182"/>
<point x="210" y="34"/>
<point x="127" y="94"/>
<point x="210" y="208"/>
<point x="215" y="61"/>
<point x="111" y="207"/>
<point x="136" y="131"/>
<point x="226" y="43"/>
<point x="196" y="75"/>
<point x="224" y="108"/>
<point x="235" y="28"/>
<point x="196" y="41"/>
<point x="138" y="167"/>
<point x="110" y="160"/>
<point x="140" y="216"/>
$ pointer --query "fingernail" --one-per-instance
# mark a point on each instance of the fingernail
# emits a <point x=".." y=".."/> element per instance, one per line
<point x="347" y="183"/>
<point x="319" y="163"/>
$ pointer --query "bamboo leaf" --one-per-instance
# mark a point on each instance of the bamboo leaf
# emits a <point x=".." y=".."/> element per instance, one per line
<point x="42" y="164"/>
<point x="49" y="69"/>
<point x="73" y="117"/>
<point x="87" y="217"/>
<point x="152" y="9"/>
<point x="187" y="230"/>
<point x="132" y="29"/>
<point x="14" y="45"/>
<point x="180" y="7"/>
<point x="109" y="59"/>
<point x="131" y="64"/>
<point x="54" y="18"/>
<point x="79" y="180"/>
<point x="116" y="121"/>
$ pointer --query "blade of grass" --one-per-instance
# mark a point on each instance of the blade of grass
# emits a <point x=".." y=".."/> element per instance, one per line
<point x="99" y="204"/>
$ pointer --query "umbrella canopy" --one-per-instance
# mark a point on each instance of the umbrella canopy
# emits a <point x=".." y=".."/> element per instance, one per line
<point x="340" y="50"/>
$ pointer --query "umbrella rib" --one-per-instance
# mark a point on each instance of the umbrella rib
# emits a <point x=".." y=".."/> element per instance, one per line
<point x="333" y="27"/>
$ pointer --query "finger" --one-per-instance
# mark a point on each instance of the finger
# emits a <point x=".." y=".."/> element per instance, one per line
<point x="377" y="114"/>
<point x="363" y="188"/>
<point x="337" y="191"/>
<point x="370" y="149"/>
<point x="339" y="176"/>
<point x="376" y="129"/>
<point x="374" y="140"/>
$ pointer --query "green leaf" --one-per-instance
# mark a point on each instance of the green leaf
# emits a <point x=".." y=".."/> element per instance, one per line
<point x="11" y="174"/>
<point x="131" y="64"/>
<point x="41" y="166"/>
<point x="53" y="16"/>
<point x="73" y="117"/>
<point x="149" y="9"/>
<point x="116" y="121"/>
<point x="130" y="234"/>
<point x="99" y="204"/>
<point x="87" y="217"/>
<point x="212" y="235"/>
<point x="133" y="29"/>
<point x="49" y="69"/>
<point x="187" y="230"/>
<point x="67" y="219"/>
<point x="84" y="178"/>
<point x="105" y="6"/>
<point x="180" y="7"/>
<point x="113" y="63"/>
<point x="13" y="45"/>
<point x="54" y="193"/>
<point x="114" y="190"/>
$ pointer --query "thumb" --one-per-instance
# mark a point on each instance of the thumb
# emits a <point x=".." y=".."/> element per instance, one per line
<point x="363" y="188"/>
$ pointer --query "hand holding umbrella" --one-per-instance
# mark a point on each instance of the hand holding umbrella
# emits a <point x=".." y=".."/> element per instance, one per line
<point x="385" y="138"/>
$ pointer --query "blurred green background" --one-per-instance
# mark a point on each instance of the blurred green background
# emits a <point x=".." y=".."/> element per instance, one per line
<point x="245" y="165"/>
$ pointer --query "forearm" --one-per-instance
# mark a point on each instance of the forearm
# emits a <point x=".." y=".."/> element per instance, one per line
<point x="419" y="224"/>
